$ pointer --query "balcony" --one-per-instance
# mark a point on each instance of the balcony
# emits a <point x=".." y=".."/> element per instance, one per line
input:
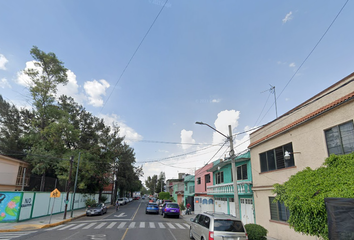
<point x="228" y="188"/>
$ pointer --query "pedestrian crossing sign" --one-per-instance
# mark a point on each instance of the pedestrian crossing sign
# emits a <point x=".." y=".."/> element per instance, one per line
<point x="55" y="193"/>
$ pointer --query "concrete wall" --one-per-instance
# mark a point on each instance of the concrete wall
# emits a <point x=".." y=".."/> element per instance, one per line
<point x="21" y="206"/>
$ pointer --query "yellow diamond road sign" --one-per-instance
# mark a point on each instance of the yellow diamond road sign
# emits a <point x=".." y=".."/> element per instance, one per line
<point x="55" y="194"/>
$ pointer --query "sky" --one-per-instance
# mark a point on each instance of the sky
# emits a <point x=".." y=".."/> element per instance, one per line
<point x="155" y="67"/>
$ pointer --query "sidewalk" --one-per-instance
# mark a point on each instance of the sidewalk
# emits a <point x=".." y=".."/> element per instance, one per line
<point x="41" y="222"/>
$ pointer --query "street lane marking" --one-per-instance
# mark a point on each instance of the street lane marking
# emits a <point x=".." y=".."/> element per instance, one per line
<point x="100" y="225"/>
<point x="161" y="225"/>
<point x="170" y="225"/>
<point x="121" y="225"/>
<point x="111" y="225"/>
<point x="132" y="225"/>
<point x="142" y="225"/>
<point x="77" y="226"/>
<point x="186" y="224"/>
<point x="125" y="233"/>
<point x="152" y="225"/>
<point x="69" y="226"/>
<point x="180" y="226"/>
<point x="88" y="226"/>
<point x="136" y="211"/>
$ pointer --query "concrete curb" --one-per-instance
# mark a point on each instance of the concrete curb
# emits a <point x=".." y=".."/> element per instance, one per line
<point x="24" y="227"/>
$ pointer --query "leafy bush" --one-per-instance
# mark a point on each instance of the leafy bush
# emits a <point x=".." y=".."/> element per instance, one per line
<point x="90" y="202"/>
<point x="103" y="199"/>
<point x="256" y="232"/>
<point x="181" y="206"/>
<point x="164" y="195"/>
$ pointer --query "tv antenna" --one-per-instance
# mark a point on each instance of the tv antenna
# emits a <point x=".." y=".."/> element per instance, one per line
<point x="272" y="91"/>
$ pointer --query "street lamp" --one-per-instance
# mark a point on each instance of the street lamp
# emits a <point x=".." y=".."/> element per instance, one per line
<point x="232" y="156"/>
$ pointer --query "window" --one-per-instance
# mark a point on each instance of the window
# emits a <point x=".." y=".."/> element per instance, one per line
<point x="340" y="139"/>
<point x="198" y="180"/>
<point x="242" y="172"/>
<point x="219" y="177"/>
<point x="191" y="189"/>
<point x="274" y="159"/>
<point x="207" y="178"/>
<point x="278" y="211"/>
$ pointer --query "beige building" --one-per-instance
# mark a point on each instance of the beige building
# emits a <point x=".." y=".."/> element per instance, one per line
<point x="307" y="134"/>
<point x="12" y="172"/>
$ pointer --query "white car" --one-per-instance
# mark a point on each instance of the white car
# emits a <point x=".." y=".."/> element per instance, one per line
<point x="121" y="201"/>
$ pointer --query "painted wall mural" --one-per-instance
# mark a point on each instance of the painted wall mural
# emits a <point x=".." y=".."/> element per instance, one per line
<point x="9" y="206"/>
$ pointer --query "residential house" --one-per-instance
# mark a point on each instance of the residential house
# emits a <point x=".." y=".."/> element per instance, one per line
<point x="178" y="191"/>
<point x="223" y="187"/>
<point x="189" y="189"/>
<point x="202" y="201"/>
<point x="14" y="174"/>
<point x="307" y="135"/>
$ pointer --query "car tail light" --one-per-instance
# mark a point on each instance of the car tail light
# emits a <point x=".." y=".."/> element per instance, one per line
<point x="211" y="235"/>
<point x="246" y="236"/>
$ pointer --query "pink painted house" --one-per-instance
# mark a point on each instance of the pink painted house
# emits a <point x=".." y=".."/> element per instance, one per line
<point x="202" y="201"/>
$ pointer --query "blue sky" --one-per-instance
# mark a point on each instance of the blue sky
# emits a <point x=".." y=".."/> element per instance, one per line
<point x="202" y="60"/>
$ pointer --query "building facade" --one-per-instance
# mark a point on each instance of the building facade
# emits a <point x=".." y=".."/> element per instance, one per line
<point x="189" y="190"/>
<point x="223" y="188"/>
<point x="14" y="174"/>
<point x="203" y="202"/>
<point x="306" y="135"/>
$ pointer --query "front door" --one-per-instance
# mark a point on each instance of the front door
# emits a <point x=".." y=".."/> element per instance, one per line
<point x="247" y="210"/>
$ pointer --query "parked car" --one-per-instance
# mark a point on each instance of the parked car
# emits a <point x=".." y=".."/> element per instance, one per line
<point x="96" y="209"/>
<point x="130" y="199"/>
<point x="152" y="208"/>
<point x="143" y="197"/>
<point x="121" y="201"/>
<point x="126" y="200"/>
<point x="217" y="226"/>
<point x="170" y="209"/>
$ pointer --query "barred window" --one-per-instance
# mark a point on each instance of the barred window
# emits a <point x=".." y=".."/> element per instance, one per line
<point x="242" y="172"/>
<point x="278" y="211"/>
<point x="340" y="139"/>
<point x="274" y="159"/>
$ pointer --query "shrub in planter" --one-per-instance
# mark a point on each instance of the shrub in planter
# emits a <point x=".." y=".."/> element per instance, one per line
<point x="103" y="198"/>
<point x="256" y="232"/>
<point x="90" y="202"/>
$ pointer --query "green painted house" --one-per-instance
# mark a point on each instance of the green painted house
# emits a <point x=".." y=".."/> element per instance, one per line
<point x="223" y="188"/>
<point x="189" y="190"/>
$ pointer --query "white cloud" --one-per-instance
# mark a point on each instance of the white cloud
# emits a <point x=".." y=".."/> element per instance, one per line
<point x="130" y="134"/>
<point x="71" y="89"/>
<point x="216" y="100"/>
<point x="224" y="119"/>
<point x="24" y="79"/>
<point x="95" y="89"/>
<point x="4" y="83"/>
<point x="186" y="137"/>
<point x="292" y="65"/>
<point x="288" y="17"/>
<point x="3" y="62"/>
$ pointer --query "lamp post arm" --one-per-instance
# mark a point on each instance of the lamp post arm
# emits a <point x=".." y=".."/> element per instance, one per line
<point x="201" y="123"/>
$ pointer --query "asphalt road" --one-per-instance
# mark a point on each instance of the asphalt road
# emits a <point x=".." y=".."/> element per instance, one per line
<point x="129" y="223"/>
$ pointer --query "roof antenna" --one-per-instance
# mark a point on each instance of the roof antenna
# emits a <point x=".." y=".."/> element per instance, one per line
<point x="272" y="90"/>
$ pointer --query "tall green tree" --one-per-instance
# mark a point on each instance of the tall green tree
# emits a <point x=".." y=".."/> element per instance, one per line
<point x="45" y="78"/>
<point x="304" y="193"/>
<point x="151" y="183"/>
<point x="11" y="130"/>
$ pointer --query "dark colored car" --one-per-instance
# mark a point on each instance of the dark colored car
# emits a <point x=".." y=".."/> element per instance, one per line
<point x="170" y="209"/>
<point x="152" y="208"/>
<point x="96" y="209"/>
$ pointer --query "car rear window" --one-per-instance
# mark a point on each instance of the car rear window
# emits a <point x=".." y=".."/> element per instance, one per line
<point x="228" y="225"/>
<point x="172" y="205"/>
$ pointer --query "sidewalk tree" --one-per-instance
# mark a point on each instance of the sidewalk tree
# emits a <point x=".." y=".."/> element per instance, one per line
<point x="304" y="193"/>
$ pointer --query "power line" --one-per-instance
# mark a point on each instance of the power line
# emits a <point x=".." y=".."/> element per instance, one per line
<point x="313" y="49"/>
<point x="131" y="58"/>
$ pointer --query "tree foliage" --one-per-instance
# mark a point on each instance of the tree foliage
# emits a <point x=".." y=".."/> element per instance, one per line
<point x="57" y="128"/>
<point x="303" y="194"/>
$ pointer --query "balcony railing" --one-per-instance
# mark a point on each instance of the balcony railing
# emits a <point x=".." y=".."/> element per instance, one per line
<point x="228" y="188"/>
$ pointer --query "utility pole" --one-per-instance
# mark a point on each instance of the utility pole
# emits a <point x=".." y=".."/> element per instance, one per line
<point x="69" y="183"/>
<point x="73" y="198"/>
<point x="234" y="173"/>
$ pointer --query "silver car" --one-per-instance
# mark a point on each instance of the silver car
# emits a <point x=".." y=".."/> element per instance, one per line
<point x="217" y="226"/>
